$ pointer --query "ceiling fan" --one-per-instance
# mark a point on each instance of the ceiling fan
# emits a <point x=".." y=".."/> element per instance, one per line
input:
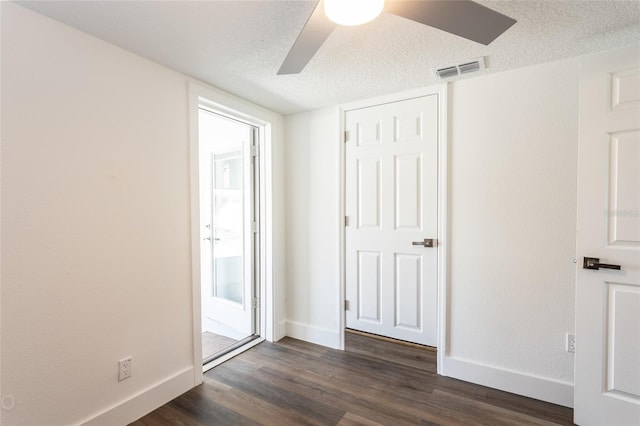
<point x="463" y="18"/>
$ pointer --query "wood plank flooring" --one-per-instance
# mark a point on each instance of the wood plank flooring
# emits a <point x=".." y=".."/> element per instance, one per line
<point x="371" y="383"/>
<point x="214" y="343"/>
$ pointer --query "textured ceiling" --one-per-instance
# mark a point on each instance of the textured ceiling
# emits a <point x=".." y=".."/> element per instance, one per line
<point x="238" y="46"/>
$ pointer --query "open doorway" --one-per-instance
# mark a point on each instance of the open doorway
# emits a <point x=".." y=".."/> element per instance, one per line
<point x="264" y="130"/>
<point x="229" y="240"/>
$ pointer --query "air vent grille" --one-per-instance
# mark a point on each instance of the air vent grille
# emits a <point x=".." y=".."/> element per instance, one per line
<point x="469" y="67"/>
<point x="464" y="68"/>
<point x="447" y="72"/>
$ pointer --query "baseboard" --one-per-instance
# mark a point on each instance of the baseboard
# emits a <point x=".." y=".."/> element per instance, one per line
<point x="145" y="401"/>
<point x="281" y="330"/>
<point x="548" y="390"/>
<point x="312" y="334"/>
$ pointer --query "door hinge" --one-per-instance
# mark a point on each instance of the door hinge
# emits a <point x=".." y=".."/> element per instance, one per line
<point x="254" y="151"/>
<point x="346" y="221"/>
<point x="254" y="303"/>
<point x="346" y="305"/>
<point x="254" y="227"/>
<point x="346" y="136"/>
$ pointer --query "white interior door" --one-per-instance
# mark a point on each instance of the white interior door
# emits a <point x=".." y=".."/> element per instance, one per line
<point x="227" y="216"/>
<point x="391" y="205"/>
<point x="607" y="379"/>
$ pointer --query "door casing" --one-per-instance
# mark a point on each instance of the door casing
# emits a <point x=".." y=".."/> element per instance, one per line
<point x="443" y="227"/>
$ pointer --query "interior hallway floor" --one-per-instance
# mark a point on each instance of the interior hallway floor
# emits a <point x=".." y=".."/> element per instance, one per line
<point x="214" y="343"/>
<point x="373" y="382"/>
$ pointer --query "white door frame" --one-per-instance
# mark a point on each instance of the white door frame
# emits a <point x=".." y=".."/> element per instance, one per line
<point x="443" y="231"/>
<point x="230" y="106"/>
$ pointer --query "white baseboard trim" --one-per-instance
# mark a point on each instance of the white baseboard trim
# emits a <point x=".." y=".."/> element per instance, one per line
<point x="548" y="390"/>
<point x="281" y="330"/>
<point x="144" y="402"/>
<point x="312" y="334"/>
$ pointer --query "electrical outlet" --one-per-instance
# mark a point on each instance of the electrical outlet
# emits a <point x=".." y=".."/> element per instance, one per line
<point x="124" y="370"/>
<point x="571" y="343"/>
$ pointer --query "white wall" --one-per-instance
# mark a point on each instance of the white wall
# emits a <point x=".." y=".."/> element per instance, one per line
<point x="313" y="209"/>
<point x="95" y="226"/>
<point x="513" y="151"/>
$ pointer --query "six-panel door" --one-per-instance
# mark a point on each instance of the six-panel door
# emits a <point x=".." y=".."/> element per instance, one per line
<point x="391" y="204"/>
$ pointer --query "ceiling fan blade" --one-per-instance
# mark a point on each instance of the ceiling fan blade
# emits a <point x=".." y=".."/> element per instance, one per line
<point x="463" y="18"/>
<point x="315" y="32"/>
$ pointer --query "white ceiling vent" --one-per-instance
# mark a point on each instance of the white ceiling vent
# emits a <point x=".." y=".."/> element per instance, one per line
<point x="447" y="72"/>
<point x="464" y="68"/>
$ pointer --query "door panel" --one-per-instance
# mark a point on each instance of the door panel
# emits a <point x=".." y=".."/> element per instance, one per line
<point x="369" y="193"/>
<point x="408" y="127"/>
<point x="607" y="381"/>
<point x="407" y="285"/>
<point x="369" y="286"/>
<point x="623" y="351"/>
<point x="368" y="133"/>
<point x="624" y="187"/>
<point x="408" y="200"/>
<point x="391" y="192"/>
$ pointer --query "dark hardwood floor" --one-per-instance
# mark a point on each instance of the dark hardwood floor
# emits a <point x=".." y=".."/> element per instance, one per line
<point x="373" y="382"/>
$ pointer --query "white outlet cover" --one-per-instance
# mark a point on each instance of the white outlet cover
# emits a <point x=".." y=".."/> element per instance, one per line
<point x="570" y="343"/>
<point x="124" y="368"/>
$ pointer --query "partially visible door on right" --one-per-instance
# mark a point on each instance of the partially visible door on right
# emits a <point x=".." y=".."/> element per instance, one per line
<point x="607" y="372"/>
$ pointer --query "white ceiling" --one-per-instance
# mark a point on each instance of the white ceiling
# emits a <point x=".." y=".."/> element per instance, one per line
<point x="238" y="46"/>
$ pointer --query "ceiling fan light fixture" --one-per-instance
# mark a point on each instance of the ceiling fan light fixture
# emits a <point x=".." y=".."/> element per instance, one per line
<point x="352" y="12"/>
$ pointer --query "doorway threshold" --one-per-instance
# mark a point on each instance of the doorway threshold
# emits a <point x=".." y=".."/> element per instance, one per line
<point x="390" y="339"/>
<point x="231" y="351"/>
